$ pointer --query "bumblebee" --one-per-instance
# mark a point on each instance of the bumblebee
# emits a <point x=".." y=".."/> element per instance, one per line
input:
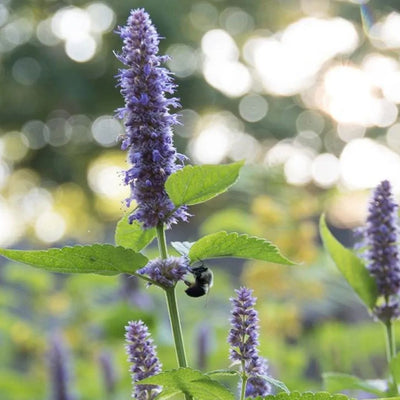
<point x="202" y="283"/>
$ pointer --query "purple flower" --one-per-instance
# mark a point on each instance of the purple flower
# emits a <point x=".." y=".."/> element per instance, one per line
<point x="167" y="272"/>
<point x="142" y="354"/>
<point x="243" y="338"/>
<point x="59" y="370"/>
<point x="148" y="137"/>
<point x="203" y="346"/>
<point x="107" y="372"/>
<point x="382" y="254"/>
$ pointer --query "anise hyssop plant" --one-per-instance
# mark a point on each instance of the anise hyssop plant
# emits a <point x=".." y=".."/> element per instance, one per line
<point x="162" y="188"/>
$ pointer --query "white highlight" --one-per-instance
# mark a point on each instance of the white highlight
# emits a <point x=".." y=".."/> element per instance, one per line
<point x="364" y="163"/>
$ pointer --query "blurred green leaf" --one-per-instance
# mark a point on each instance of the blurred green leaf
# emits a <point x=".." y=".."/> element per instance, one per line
<point x="197" y="184"/>
<point x="190" y="382"/>
<point x="351" y="267"/>
<point x="306" y="396"/>
<point x="223" y="244"/>
<point x="103" y="259"/>
<point x="133" y="236"/>
<point x="336" y="382"/>
<point x="230" y="219"/>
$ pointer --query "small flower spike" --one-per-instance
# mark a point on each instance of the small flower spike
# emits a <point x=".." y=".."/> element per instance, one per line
<point x="381" y="237"/>
<point x="142" y="354"/>
<point x="148" y="123"/>
<point x="167" y="272"/>
<point x="59" y="370"/>
<point x="243" y="338"/>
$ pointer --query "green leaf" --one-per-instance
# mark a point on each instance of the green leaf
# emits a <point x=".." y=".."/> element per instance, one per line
<point x="351" y="267"/>
<point x="197" y="184"/>
<point x="336" y="382"/>
<point x="103" y="259"/>
<point x="230" y="372"/>
<point x="133" y="236"/>
<point x="306" y="396"/>
<point x="182" y="247"/>
<point x="223" y="244"/>
<point x="190" y="382"/>
<point x="276" y="383"/>
<point x="167" y="394"/>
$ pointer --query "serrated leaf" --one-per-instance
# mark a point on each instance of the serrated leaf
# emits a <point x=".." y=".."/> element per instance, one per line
<point x="336" y="382"/>
<point x="182" y="247"/>
<point x="103" y="259"/>
<point x="351" y="267"/>
<point x="190" y="382"/>
<point x="223" y="244"/>
<point x="133" y="236"/>
<point x="197" y="184"/>
<point x="306" y="396"/>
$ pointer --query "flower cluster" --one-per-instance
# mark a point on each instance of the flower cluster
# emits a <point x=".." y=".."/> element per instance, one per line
<point x="148" y="123"/>
<point x="243" y="338"/>
<point x="167" y="272"/>
<point x="381" y="235"/>
<point x="142" y="354"/>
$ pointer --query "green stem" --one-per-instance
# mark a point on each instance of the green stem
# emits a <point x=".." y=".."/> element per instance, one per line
<point x="176" y="326"/>
<point x="390" y="354"/>
<point x="244" y="383"/>
<point x="162" y="243"/>
<point x="172" y="306"/>
<point x="390" y="343"/>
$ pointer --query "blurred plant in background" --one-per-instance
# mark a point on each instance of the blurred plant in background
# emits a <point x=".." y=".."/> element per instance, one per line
<point x="306" y="91"/>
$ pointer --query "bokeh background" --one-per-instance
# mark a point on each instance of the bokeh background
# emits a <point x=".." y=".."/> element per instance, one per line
<point x="306" y="91"/>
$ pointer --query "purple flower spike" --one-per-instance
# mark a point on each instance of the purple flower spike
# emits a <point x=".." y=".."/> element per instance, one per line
<point x="148" y="123"/>
<point x="142" y="354"/>
<point x="243" y="338"/>
<point x="381" y="236"/>
<point x="166" y="272"/>
<point x="59" y="370"/>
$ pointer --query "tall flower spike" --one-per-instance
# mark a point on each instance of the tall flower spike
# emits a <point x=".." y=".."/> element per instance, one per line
<point x="383" y="262"/>
<point x="243" y="338"/>
<point x="148" y="123"/>
<point x="142" y="354"/>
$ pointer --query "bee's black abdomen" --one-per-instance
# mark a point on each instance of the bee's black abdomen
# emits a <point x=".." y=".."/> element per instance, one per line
<point x="195" y="291"/>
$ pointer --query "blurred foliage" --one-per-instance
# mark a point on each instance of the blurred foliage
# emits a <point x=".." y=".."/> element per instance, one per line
<point x="60" y="184"/>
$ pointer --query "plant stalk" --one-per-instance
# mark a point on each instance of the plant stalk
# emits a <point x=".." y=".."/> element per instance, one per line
<point x="390" y="354"/>
<point x="162" y="243"/>
<point x="176" y="326"/>
<point x="172" y="307"/>
<point x="244" y="383"/>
